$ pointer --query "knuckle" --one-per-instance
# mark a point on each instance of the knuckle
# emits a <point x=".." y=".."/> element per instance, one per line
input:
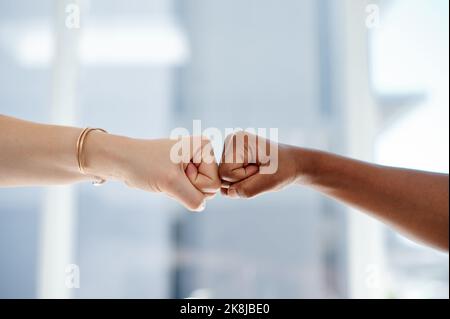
<point x="205" y="140"/>
<point x="217" y="183"/>
<point x="244" y="192"/>
<point x="225" y="171"/>
<point x="196" y="205"/>
<point x="229" y="136"/>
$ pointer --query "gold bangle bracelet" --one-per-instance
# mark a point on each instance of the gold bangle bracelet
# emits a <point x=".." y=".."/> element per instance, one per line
<point x="81" y="156"/>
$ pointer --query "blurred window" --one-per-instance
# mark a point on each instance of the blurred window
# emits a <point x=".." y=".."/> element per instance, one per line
<point x="410" y="77"/>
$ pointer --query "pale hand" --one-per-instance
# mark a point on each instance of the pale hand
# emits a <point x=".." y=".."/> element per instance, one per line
<point x="147" y="165"/>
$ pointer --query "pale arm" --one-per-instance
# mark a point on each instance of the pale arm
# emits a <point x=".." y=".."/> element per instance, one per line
<point x="37" y="154"/>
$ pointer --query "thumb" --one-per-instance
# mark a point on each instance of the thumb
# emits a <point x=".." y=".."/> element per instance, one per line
<point x="248" y="188"/>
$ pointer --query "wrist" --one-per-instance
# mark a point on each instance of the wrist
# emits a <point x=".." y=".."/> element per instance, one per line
<point x="307" y="163"/>
<point x="105" y="155"/>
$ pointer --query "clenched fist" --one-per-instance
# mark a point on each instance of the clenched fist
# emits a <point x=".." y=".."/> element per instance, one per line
<point x="184" y="169"/>
<point x="252" y="165"/>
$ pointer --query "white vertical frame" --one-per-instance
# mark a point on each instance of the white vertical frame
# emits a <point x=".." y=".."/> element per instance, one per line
<point x="365" y="262"/>
<point x="57" y="233"/>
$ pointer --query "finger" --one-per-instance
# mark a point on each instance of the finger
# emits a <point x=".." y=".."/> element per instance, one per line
<point x="232" y="152"/>
<point x="202" y="182"/>
<point x="208" y="178"/>
<point x="191" y="172"/>
<point x="232" y="193"/>
<point x="225" y="184"/>
<point x="249" y="187"/>
<point x="209" y="196"/>
<point x="204" y="173"/>
<point x="232" y="173"/>
<point x="239" y="158"/>
<point x="228" y="150"/>
<point x="224" y="191"/>
<point x="187" y="194"/>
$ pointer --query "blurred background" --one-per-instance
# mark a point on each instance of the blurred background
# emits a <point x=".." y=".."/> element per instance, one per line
<point x="366" y="79"/>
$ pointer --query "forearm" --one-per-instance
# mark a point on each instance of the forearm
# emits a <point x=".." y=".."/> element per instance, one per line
<point x="414" y="202"/>
<point x="36" y="154"/>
